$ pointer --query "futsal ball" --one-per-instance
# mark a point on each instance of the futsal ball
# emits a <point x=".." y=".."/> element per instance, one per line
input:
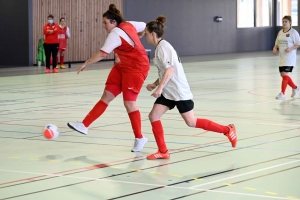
<point x="50" y="132"/>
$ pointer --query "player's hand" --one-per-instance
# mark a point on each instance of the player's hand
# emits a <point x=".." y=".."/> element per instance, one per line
<point x="287" y="50"/>
<point x="151" y="87"/>
<point x="157" y="93"/>
<point x="274" y="51"/>
<point x="81" y="68"/>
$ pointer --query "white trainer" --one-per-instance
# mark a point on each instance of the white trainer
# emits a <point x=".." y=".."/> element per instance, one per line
<point x="295" y="91"/>
<point x="139" y="144"/>
<point x="280" y="96"/>
<point x="78" y="126"/>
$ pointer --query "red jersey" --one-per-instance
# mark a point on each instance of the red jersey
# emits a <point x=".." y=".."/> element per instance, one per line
<point x="51" y="38"/>
<point x="133" y="58"/>
<point x="62" y="37"/>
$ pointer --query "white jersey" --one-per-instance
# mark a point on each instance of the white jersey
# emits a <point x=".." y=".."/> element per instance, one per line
<point x="285" y="40"/>
<point x="113" y="39"/>
<point x="177" y="88"/>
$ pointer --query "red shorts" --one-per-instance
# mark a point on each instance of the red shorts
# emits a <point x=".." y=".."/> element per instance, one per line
<point x="129" y="84"/>
<point x="61" y="50"/>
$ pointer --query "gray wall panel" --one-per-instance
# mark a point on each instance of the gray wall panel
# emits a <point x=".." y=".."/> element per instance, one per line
<point x="255" y="39"/>
<point x="192" y="31"/>
<point x="190" y="28"/>
<point x="14" y="36"/>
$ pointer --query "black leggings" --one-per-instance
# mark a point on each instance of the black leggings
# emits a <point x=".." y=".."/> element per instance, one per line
<point x="51" y="48"/>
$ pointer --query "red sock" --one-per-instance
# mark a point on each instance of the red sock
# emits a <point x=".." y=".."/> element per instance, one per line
<point x="291" y="83"/>
<point x="284" y="83"/>
<point x="158" y="132"/>
<point x="136" y="123"/>
<point x="61" y="59"/>
<point x="211" y="126"/>
<point x="96" y="112"/>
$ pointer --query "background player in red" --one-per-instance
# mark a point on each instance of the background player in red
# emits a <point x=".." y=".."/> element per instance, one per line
<point x="287" y="42"/>
<point x="172" y="89"/>
<point x="126" y="76"/>
<point x="63" y="36"/>
<point x="51" y="43"/>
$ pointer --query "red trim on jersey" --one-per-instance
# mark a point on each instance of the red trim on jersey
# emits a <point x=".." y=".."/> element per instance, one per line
<point x="104" y="51"/>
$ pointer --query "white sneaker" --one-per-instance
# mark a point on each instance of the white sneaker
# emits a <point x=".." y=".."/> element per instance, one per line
<point x="280" y="96"/>
<point x="295" y="91"/>
<point x="78" y="126"/>
<point x="139" y="144"/>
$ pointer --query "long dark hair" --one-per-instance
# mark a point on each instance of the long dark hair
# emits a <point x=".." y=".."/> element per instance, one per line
<point x="113" y="14"/>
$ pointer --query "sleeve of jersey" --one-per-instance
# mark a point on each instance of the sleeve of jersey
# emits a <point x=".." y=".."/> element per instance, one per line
<point x="139" y="26"/>
<point x="112" y="41"/>
<point x="296" y="38"/>
<point x="166" y="57"/>
<point x="68" y="32"/>
<point x="45" y="30"/>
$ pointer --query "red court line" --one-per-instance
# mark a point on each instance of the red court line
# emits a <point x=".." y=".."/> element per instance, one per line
<point x="103" y="165"/>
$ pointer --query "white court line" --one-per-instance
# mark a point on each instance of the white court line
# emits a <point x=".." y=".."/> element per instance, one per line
<point x="260" y="170"/>
<point x="145" y="184"/>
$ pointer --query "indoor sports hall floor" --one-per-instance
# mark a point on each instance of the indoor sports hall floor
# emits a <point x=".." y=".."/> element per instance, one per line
<point x="227" y="88"/>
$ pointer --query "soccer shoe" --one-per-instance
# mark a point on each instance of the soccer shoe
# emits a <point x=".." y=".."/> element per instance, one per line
<point x="295" y="91"/>
<point x="232" y="135"/>
<point x="280" y="96"/>
<point x="139" y="144"/>
<point x="158" y="155"/>
<point x="54" y="70"/>
<point x="63" y="67"/>
<point x="56" y="67"/>
<point x="47" y="71"/>
<point x="78" y="126"/>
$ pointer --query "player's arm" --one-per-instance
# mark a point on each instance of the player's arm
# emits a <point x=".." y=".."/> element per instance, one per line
<point x="296" y="40"/>
<point x="46" y="31"/>
<point x="152" y="86"/>
<point x="141" y="34"/>
<point x="165" y="79"/>
<point x="275" y="46"/>
<point x="95" y="58"/>
<point x="112" y="41"/>
<point x="140" y="27"/>
<point x="296" y="46"/>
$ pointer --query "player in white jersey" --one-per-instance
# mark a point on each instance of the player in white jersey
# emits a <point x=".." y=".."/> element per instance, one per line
<point x="287" y="42"/>
<point x="172" y="89"/>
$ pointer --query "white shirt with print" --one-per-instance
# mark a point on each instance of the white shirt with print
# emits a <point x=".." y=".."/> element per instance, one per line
<point x="285" y="40"/>
<point x="177" y="87"/>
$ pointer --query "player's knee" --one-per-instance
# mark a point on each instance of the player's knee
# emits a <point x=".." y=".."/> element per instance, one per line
<point x="107" y="96"/>
<point x="152" y="117"/>
<point x="130" y="106"/>
<point x="190" y="123"/>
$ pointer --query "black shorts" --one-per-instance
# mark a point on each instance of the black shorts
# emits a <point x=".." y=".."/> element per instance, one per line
<point x="182" y="106"/>
<point x="286" y="69"/>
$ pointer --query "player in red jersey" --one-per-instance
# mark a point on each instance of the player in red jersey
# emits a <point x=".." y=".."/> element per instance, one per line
<point x="63" y="36"/>
<point x="127" y="76"/>
<point x="51" y="43"/>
